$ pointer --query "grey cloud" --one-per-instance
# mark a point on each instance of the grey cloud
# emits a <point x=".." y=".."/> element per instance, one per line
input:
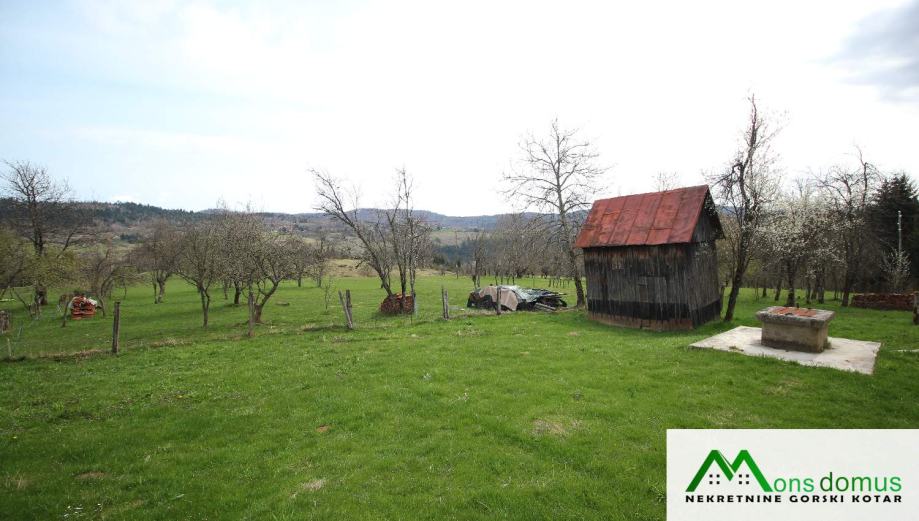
<point x="884" y="51"/>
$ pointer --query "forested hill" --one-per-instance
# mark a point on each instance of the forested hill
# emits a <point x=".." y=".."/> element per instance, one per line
<point x="468" y="223"/>
<point x="131" y="214"/>
<point x="125" y="214"/>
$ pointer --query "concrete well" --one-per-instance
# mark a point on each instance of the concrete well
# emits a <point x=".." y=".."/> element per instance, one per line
<point x="796" y="329"/>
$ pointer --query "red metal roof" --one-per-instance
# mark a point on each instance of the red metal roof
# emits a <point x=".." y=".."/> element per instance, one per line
<point x="644" y="219"/>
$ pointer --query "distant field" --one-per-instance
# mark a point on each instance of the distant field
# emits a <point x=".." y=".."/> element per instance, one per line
<point x="522" y="416"/>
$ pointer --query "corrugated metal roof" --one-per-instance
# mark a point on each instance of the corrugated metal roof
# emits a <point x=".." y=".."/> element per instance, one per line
<point x="644" y="219"/>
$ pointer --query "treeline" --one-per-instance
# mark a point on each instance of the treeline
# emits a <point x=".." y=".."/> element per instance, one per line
<point x="123" y="213"/>
<point x="850" y="227"/>
<point x="824" y="235"/>
<point x="519" y="245"/>
<point x="222" y="250"/>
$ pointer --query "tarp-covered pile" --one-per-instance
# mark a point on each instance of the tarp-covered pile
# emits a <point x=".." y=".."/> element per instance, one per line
<point x="515" y="298"/>
<point x="82" y="307"/>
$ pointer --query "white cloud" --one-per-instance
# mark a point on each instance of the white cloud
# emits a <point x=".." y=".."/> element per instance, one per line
<point x="237" y="100"/>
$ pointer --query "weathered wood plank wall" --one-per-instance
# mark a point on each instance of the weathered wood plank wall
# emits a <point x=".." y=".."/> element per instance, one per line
<point x="671" y="286"/>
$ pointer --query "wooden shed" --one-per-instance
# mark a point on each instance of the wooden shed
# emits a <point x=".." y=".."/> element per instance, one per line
<point x="650" y="259"/>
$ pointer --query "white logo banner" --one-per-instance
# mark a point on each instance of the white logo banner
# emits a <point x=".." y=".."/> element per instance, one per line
<point x="792" y="474"/>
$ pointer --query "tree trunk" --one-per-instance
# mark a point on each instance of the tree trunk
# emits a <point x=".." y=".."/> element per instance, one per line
<point x="205" y="304"/>
<point x="732" y="297"/>
<point x="846" y="288"/>
<point x="579" y="289"/>
<point x="818" y="286"/>
<point x="576" y="274"/>
<point x="237" y="292"/>
<point x="162" y="291"/>
<point x="791" y="301"/>
<point x="254" y="313"/>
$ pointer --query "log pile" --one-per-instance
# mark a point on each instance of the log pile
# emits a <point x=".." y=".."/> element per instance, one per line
<point x="396" y="304"/>
<point x="887" y="301"/>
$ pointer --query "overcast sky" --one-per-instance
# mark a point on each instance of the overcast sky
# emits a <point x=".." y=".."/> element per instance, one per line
<point x="179" y="104"/>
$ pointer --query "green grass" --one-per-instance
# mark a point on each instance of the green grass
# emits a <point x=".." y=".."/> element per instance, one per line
<point x="522" y="416"/>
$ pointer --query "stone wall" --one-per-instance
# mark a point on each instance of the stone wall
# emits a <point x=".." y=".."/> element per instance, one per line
<point x="894" y="301"/>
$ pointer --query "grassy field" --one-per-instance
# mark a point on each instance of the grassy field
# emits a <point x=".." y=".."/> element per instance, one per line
<point x="522" y="416"/>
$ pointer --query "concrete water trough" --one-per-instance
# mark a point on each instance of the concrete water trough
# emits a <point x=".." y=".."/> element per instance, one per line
<point x="795" y="329"/>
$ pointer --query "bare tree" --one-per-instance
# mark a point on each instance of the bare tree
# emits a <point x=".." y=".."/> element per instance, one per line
<point x="271" y="258"/>
<point x="101" y="269"/>
<point x="746" y="188"/>
<point x="201" y="263"/>
<point x="252" y="257"/>
<point x="319" y="255"/>
<point x="517" y="243"/>
<point x="158" y="254"/>
<point x="666" y="181"/>
<point x="301" y="258"/>
<point x="558" y="173"/>
<point x="479" y="256"/>
<point x="377" y="252"/>
<point x="850" y="191"/>
<point x="409" y="235"/>
<point x="239" y="239"/>
<point x="41" y="211"/>
<point x="895" y="267"/>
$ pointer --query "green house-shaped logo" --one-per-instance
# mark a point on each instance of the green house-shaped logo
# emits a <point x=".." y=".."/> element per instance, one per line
<point x="729" y="469"/>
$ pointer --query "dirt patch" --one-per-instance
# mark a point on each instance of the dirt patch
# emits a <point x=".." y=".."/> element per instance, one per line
<point x="554" y="427"/>
<point x="785" y="387"/>
<point x="468" y="331"/>
<point x="323" y="428"/>
<point x="312" y="486"/>
<point x="168" y="342"/>
<point x="17" y="482"/>
<point x="92" y="475"/>
<point x="573" y="333"/>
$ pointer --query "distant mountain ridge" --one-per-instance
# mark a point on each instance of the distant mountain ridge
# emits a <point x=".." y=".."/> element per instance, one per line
<point x="130" y="214"/>
<point x="473" y="222"/>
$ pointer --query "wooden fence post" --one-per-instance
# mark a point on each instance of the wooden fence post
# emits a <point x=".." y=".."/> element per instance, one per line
<point x="346" y="307"/>
<point x="498" y="303"/>
<point x="916" y="309"/>
<point x="446" y="302"/>
<point x="116" y="327"/>
<point x="350" y="309"/>
<point x="251" y="314"/>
